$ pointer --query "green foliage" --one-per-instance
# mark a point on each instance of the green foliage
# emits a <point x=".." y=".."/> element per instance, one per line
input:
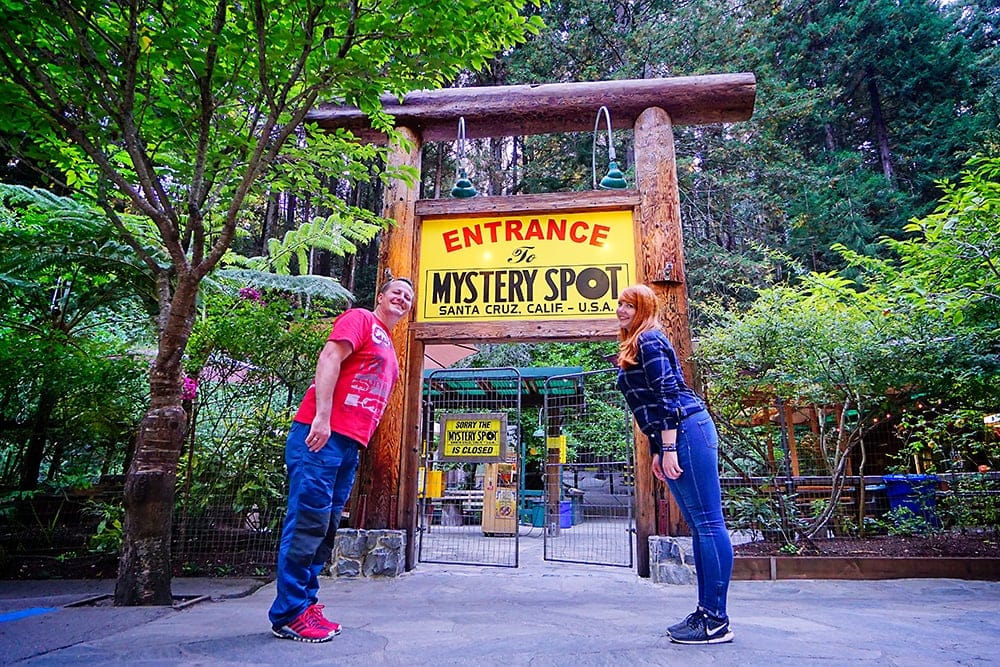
<point x="235" y="475"/>
<point x="210" y="100"/>
<point x="818" y="343"/>
<point x="949" y="262"/>
<point x="593" y="427"/>
<point x="940" y="288"/>
<point x="971" y="501"/>
<point x="336" y="233"/>
<point x="838" y="148"/>
<point x="830" y="340"/>
<point x="107" y="537"/>
<point x="904" y="521"/>
<point x="882" y="70"/>
<point x="941" y="440"/>
<point x="253" y="356"/>
<point x="588" y="355"/>
<point x="726" y="280"/>
<point x="267" y="337"/>
<point x="304" y="287"/>
<point x="764" y="515"/>
<point x="789" y="549"/>
<point x="62" y="260"/>
<point x="192" y="115"/>
<point x="71" y="392"/>
<point x="598" y="426"/>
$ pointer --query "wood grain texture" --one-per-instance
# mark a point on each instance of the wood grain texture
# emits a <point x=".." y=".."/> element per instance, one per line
<point x="660" y="257"/>
<point x="382" y="478"/>
<point x="503" y="111"/>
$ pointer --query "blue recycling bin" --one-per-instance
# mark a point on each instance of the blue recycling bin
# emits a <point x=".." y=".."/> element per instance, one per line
<point x="916" y="493"/>
<point x="565" y="514"/>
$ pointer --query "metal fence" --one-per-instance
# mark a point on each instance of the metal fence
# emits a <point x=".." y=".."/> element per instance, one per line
<point x="589" y="483"/>
<point x="231" y="482"/>
<point x="468" y="510"/>
<point x="780" y="508"/>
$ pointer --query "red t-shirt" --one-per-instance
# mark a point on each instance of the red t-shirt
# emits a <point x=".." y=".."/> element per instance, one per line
<point x="366" y="377"/>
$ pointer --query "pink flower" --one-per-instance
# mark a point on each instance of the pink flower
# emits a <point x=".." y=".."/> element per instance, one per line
<point x="251" y="294"/>
<point x="189" y="391"/>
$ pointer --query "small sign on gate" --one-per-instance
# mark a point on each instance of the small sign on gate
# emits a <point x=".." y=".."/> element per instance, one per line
<point x="476" y="436"/>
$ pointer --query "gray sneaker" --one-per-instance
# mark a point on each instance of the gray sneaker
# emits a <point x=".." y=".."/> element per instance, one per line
<point x="703" y="629"/>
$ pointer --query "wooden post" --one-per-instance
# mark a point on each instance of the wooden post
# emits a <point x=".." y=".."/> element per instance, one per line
<point x="387" y="478"/>
<point x="660" y="258"/>
<point x="661" y="245"/>
<point x="793" y="448"/>
<point x="553" y="473"/>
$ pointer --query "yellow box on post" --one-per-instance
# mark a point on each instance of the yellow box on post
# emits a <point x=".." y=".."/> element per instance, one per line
<point x="434" y="483"/>
<point x="557" y="442"/>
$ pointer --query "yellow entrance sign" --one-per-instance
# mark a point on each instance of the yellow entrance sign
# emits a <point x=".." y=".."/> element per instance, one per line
<point x="473" y="437"/>
<point x="556" y="265"/>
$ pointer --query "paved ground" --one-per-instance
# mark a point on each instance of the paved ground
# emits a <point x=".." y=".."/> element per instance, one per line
<point x="539" y="614"/>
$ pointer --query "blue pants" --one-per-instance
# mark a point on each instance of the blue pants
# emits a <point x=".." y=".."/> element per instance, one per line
<point x="319" y="484"/>
<point x="699" y="495"/>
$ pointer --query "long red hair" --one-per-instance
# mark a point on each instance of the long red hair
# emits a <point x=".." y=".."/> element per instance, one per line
<point x="646" y="317"/>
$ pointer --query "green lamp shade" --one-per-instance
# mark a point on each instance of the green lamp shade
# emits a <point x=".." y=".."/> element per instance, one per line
<point x="614" y="179"/>
<point x="463" y="188"/>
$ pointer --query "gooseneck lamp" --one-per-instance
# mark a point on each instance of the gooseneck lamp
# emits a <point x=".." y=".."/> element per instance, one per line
<point x="614" y="179"/>
<point x="463" y="188"/>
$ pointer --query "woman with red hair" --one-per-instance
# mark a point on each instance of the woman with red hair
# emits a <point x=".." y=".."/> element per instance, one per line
<point x="684" y="446"/>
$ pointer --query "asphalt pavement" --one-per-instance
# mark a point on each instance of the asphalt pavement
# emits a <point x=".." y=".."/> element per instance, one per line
<point x="538" y="614"/>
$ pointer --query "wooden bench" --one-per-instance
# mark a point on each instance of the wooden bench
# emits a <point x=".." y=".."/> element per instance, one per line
<point x="457" y="507"/>
<point x="470" y="500"/>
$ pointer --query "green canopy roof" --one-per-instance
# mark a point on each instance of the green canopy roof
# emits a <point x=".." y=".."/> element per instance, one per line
<point x="496" y="384"/>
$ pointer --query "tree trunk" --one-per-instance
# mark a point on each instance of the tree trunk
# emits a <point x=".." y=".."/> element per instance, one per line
<point x="878" y="121"/>
<point x="144" y="567"/>
<point x="35" y="451"/>
<point x="57" y="456"/>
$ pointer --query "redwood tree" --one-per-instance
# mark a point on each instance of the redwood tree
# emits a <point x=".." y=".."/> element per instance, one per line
<point x="187" y="113"/>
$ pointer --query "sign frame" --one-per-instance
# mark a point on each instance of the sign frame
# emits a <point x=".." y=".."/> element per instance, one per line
<point x="476" y="427"/>
<point x="459" y="330"/>
<point x="525" y="266"/>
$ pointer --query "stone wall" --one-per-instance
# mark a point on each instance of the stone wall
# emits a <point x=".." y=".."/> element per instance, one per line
<point x="670" y="560"/>
<point x="368" y="553"/>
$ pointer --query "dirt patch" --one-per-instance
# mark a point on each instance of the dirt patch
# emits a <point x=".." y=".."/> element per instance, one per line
<point x="34" y="566"/>
<point x="951" y="545"/>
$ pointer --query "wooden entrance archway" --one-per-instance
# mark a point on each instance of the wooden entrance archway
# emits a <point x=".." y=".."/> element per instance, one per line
<point x="651" y="107"/>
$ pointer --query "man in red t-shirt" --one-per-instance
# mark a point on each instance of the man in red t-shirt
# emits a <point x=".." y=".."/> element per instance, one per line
<point x="354" y="375"/>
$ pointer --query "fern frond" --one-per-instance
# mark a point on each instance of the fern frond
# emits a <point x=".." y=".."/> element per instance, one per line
<point x="309" y="285"/>
<point x="339" y="233"/>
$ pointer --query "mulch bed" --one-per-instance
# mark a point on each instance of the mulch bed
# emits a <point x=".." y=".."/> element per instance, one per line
<point x="937" y="545"/>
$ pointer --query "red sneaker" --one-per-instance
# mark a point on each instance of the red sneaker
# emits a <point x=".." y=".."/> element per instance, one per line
<point x="318" y="613"/>
<point x="310" y="626"/>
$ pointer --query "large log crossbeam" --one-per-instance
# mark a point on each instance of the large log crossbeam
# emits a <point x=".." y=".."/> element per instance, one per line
<point x="502" y="111"/>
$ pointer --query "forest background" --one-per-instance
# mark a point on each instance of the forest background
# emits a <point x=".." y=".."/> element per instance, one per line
<point x="840" y="249"/>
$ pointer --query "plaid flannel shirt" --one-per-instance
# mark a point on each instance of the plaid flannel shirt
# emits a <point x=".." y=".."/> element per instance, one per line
<point x="655" y="389"/>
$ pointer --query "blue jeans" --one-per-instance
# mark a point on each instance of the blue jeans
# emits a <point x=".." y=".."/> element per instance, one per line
<point x="319" y="484"/>
<point x="699" y="495"/>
